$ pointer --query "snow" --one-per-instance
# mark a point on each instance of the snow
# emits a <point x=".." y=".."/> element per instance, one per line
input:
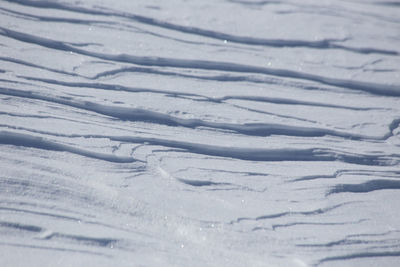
<point x="199" y="133"/>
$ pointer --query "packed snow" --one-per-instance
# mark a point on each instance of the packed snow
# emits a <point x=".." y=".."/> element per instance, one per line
<point x="199" y="133"/>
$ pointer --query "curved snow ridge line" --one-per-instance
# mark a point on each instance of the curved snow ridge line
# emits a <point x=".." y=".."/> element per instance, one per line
<point x="289" y="213"/>
<point x="311" y="154"/>
<point x="321" y="44"/>
<point x="55" y="19"/>
<point x="287" y="101"/>
<point x="325" y="10"/>
<point x="346" y="241"/>
<point x="19" y="83"/>
<point x="138" y="114"/>
<point x="373" y="88"/>
<point x="29" y="64"/>
<point x="217" y="78"/>
<point x="341" y="242"/>
<point x="40" y="213"/>
<point x="174" y="74"/>
<point x="338" y="173"/>
<point x="390" y="253"/>
<point x="23" y="227"/>
<point x="255" y="3"/>
<point x="62" y="249"/>
<point x="214" y="78"/>
<point x="276" y="226"/>
<point x="112" y="87"/>
<point x="56" y="216"/>
<point x="200" y="183"/>
<point x="216" y="186"/>
<point x="99" y="23"/>
<point x="103" y="242"/>
<point x="251" y="154"/>
<point x="382" y="234"/>
<point x="94" y="241"/>
<point x="17" y="139"/>
<point x="231" y="78"/>
<point x="275" y="100"/>
<point x="366" y="187"/>
<point x="245" y="173"/>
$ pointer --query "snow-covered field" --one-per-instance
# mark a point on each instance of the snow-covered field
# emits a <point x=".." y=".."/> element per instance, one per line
<point x="199" y="133"/>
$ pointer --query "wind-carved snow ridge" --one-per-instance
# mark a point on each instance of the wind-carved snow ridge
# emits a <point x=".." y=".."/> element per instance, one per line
<point x="203" y="133"/>
<point x="322" y="44"/>
<point x="37" y="142"/>
<point x="380" y="89"/>
<point x="243" y="153"/>
<point x="137" y="114"/>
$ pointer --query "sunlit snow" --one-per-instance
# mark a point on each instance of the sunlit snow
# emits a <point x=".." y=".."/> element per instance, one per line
<point x="199" y="133"/>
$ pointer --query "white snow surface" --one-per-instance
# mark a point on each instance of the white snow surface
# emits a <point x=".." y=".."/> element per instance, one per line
<point x="199" y="133"/>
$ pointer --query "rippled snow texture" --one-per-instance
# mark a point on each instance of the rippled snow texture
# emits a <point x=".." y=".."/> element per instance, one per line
<point x="199" y="133"/>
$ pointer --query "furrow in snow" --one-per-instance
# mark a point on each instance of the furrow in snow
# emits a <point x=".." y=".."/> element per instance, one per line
<point x="320" y="44"/>
<point x="251" y="154"/>
<point x="173" y="134"/>
<point x="353" y="256"/>
<point x="94" y="241"/>
<point x="41" y="213"/>
<point x="197" y="97"/>
<point x="283" y="154"/>
<point x="277" y="226"/>
<point x="54" y="249"/>
<point x="29" y="64"/>
<point x="138" y="114"/>
<point x="338" y="173"/>
<point x="366" y="187"/>
<point x="373" y="88"/>
<point x="344" y="242"/>
<point x="291" y="213"/>
<point x="55" y="19"/>
<point x="25" y="140"/>
<point x="287" y="101"/>
<point x="23" y="227"/>
<point x="114" y="87"/>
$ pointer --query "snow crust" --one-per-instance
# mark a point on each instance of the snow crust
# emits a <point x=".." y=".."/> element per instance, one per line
<point x="199" y="133"/>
